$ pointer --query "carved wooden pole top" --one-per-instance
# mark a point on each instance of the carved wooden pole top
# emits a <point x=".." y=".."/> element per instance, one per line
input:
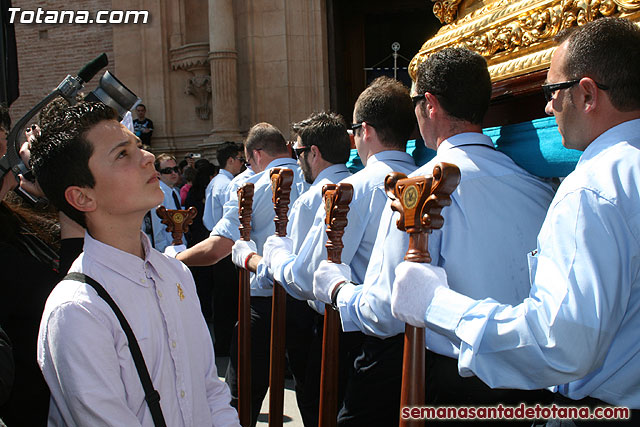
<point x="177" y="221"/>
<point x="245" y="209"/>
<point x="420" y="200"/>
<point x="281" y="181"/>
<point x="336" y="203"/>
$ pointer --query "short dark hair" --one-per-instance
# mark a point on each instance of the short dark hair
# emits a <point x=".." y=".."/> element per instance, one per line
<point x="266" y="137"/>
<point x="328" y="132"/>
<point x="163" y="158"/>
<point x="225" y="152"/>
<point x="459" y="78"/>
<point x="141" y="105"/>
<point x="608" y="51"/>
<point x="189" y="173"/>
<point x="60" y="155"/>
<point x="385" y="104"/>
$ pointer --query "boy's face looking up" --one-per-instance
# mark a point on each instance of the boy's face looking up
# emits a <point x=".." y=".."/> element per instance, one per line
<point x="170" y="178"/>
<point x="125" y="177"/>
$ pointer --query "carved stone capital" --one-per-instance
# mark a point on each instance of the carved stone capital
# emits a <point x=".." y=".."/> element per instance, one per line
<point x="191" y="57"/>
<point x="516" y="37"/>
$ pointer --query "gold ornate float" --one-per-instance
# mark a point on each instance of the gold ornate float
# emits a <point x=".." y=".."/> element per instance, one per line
<point x="515" y="36"/>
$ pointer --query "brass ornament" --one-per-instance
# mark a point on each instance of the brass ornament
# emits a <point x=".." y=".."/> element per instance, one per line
<point x="446" y="11"/>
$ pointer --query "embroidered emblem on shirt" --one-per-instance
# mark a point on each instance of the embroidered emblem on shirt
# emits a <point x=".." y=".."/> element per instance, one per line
<point x="180" y="292"/>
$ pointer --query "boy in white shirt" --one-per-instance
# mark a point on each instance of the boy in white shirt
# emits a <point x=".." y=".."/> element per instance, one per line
<point x="91" y="168"/>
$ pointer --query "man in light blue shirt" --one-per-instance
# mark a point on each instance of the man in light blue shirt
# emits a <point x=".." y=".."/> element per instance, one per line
<point x="265" y="148"/>
<point x="168" y="174"/>
<point x="216" y="194"/>
<point x="577" y="331"/>
<point x="383" y="121"/>
<point x="222" y="277"/>
<point x="322" y="149"/>
<point x="495" y="214"/>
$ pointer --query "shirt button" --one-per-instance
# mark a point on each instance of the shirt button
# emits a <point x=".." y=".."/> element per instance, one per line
<point x="182" y="393"/>
<point x="160" y="294"/>
<point x="143" y="281"/>
<point x="173" y="344"/>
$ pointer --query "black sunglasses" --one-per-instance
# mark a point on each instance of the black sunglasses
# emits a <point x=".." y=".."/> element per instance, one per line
<point x="167" y="171"/>
<point x="358" y="125"/>
<point x="552" y="88"/>
<point x="297" y="152"/>
<point x="416" y="100"/>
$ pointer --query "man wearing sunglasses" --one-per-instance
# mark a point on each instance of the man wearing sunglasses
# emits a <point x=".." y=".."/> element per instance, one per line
<point x="322" y="148"/>
<point x="169" y="176"/>
<point x="383" y="121"/>
<point x="496" y="212"/>
<point x="577" y="330"/>
<point x="264" y="149"/>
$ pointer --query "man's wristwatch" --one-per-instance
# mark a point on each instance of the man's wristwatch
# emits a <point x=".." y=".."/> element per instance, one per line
<point x="336" y="289"/>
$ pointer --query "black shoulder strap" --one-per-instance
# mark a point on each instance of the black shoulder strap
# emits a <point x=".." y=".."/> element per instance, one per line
<point x="151" y="395"/>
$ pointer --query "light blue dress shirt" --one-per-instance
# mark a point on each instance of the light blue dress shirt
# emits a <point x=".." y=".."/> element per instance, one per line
<point x="493" y="220"/>
<point x="578" y="329"/>
<point x="262" y="225"/>
<point x="303" y="210"/>
<point x="369" y="198"/>
<point x="215" y="197"/>
<point x="168" y="203"/>
<point x="158" y="228"/>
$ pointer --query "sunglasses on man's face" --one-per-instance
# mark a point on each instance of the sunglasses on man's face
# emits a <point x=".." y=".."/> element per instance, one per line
<point x="167" y="171"/>
<point x="297" y="152"/>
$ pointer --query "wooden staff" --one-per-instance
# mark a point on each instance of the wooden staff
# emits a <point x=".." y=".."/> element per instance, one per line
<point x="420" y="201"/>
<point x="245" y="208"/>
<point x="177" y="221"/>
<point x="336" y="202"/>
<point x="281" y="180"/>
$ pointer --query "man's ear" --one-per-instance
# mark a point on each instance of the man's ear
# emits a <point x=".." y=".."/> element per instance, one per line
<point x="431" y="104"/>
<point x="315" y="151"/>
<point x="589" y="94"/>
<point x="81" y="198"/>
<point x="368" y="131"/>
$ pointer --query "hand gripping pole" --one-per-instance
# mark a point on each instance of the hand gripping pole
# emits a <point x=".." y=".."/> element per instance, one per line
<point x="281" y="180"/>
<point x="336" y="202"/>
<point x="419" y="200"/>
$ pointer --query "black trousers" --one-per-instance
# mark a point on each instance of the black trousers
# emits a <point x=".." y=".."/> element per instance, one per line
<point x="373" y="391"/>
<point x="299" y="336"/>
<point x="348" y="348"/>
<point x="225" y="303"/>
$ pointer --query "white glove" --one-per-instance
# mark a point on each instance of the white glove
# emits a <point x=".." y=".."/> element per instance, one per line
<point x="275" y="249"/>
<point x="326" y="277"/>
<point x="413" y="290"/>
<point x="241" y="251"/>
<point x="264" y="279"/>
<point x="173" y="250"/>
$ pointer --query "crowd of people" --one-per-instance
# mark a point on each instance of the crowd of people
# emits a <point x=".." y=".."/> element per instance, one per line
<point x="532" y="293"/>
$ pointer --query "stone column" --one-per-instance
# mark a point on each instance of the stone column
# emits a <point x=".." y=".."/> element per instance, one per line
<point x="224" y="81"/>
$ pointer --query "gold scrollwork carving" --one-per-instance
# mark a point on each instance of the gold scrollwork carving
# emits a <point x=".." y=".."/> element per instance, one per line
<point x="504" y="30"/>
<point x="446" y="11"/>
<point x="538" y="25"/>
<point x="628" y="5"/>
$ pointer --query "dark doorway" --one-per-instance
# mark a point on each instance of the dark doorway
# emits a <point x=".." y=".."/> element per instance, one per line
<point x="361" y="33"/>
